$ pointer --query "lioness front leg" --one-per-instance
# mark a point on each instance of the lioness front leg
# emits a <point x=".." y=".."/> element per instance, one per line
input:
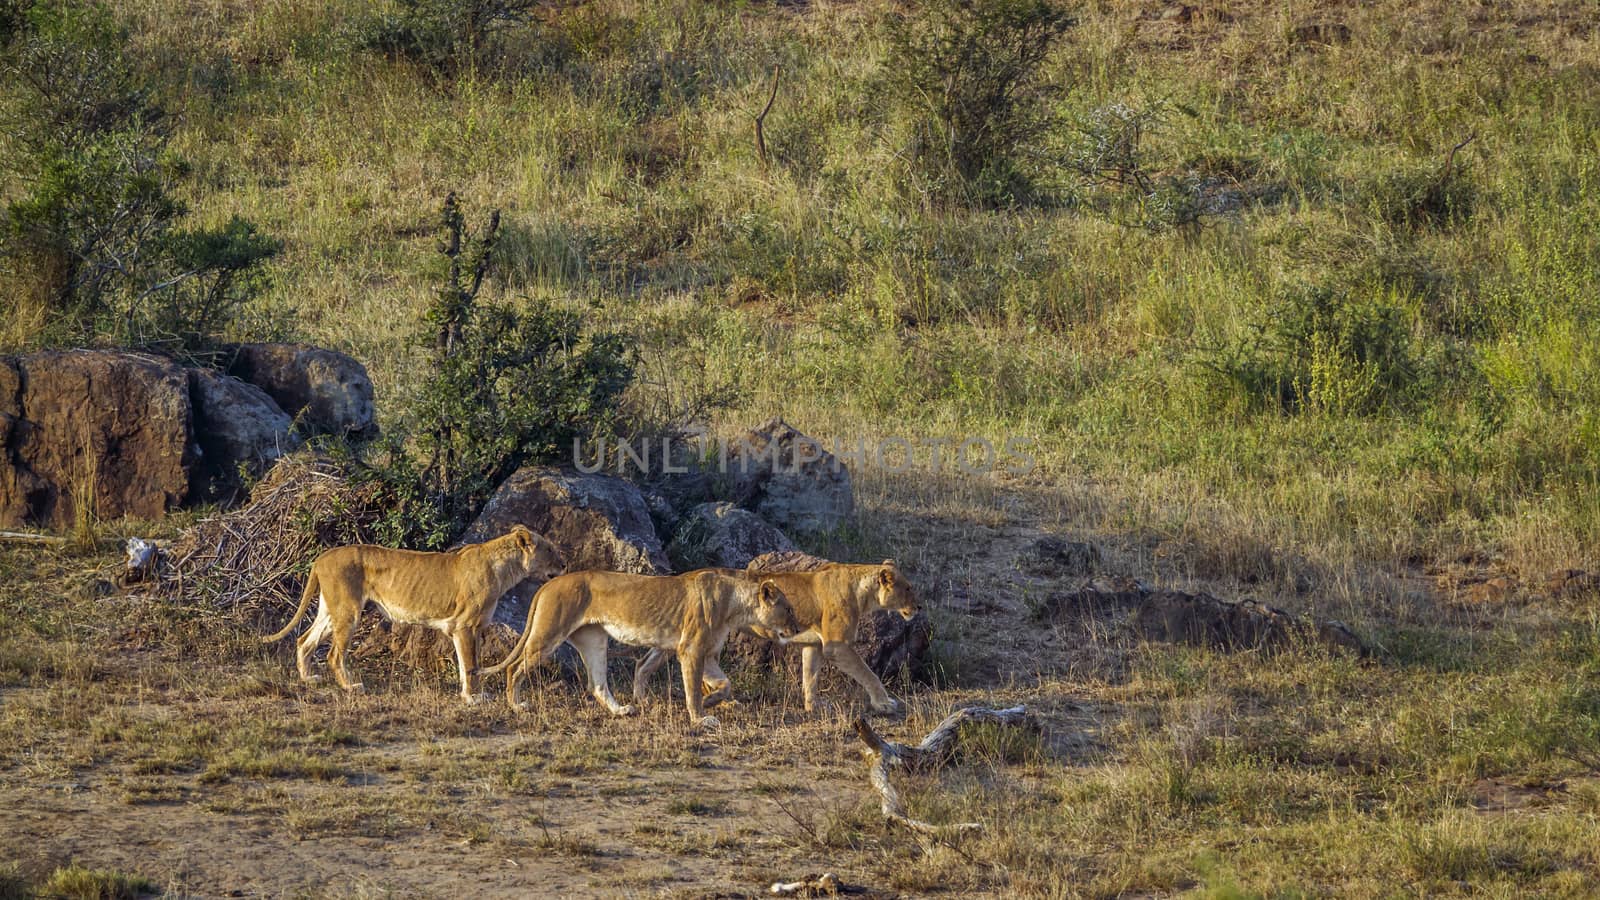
<point x="845" y="657"/>
<point x="692" y="660"/>
<point x="715" y="685"/>
<point x="466" y="643"/>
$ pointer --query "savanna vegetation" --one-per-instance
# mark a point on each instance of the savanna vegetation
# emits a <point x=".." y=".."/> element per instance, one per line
<point x="1300" y="300"/>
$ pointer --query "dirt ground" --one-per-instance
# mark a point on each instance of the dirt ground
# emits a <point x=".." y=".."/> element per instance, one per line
<point x="212" y="771"/>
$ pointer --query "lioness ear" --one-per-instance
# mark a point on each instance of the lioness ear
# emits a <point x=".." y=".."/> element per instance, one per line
<point x="768" y="592"/>
<point x="886" y="575"/>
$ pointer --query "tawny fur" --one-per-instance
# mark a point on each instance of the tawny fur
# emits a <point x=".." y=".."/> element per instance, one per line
<point x="690" y="614"/>
<point x="455" y="592"/>
<point x="829" y="603"/>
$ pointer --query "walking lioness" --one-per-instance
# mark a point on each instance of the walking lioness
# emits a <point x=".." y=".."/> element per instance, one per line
<point x="691" y="613"/>
<point x="454" y="592"/>
<point x="829" y="603"/>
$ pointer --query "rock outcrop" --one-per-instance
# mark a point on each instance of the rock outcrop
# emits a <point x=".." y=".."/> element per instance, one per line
<point x="237" y="426"/>
<point x="721" y="534"/>
<point x="1160" y="614"/>
<point x="789" y="479"/>
<point x="106" y="427"/>
<point x="327" y="392"/>
<point x="598" y="521"/>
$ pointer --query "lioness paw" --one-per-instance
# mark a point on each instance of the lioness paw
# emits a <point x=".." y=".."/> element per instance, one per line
<point x="892" y="708"/>
<point x="627" y="710"/>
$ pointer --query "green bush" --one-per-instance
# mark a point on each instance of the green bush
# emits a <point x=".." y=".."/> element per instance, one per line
<point x="1322" y="349"/>
<point x="504" y="387"/>
<point x="447" y="35"/>
<point x="969" y="74"/>
<point x="91" y="230"/>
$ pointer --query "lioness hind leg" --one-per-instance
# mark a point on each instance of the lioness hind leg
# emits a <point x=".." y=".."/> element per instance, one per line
<point x="648" y="664"/>
<point x="343" y="630"/>
<point x="307" y="645"/>
<point x="590" y="642"/>
<point x="513" y="680"/>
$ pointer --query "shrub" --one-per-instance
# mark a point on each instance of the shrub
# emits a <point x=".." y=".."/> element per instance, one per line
<point x="1418" y="196"/>
<point x="969" y="73"/>
<point x="1326" y="350"/>
<point x="91" y="234"/>
<point x="504" y="387"/>
<point x="1115" y="179"/>
<point x="447" y="35"/>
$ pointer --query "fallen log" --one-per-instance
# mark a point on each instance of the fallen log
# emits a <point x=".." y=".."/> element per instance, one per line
<point x="935" y="751"/>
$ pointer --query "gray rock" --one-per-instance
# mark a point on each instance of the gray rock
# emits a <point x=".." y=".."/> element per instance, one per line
<point x="327" y="392"/>
<point x="721" y="534"/>
<point x="1055" y="557"/>
<point x="598" y="521"/>
<point x="236" y="425"/>
<point x="789" y="479"/>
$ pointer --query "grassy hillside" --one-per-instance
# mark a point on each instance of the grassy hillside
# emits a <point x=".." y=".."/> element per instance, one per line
<point x="1373" y="348"/>
<point x="1364" y="382"/>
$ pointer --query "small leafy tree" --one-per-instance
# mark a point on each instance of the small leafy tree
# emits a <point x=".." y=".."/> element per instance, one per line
<point x="504" y="387"/>
<point x="1115" y="178"/>
<point x="969" y="72"/>
<point x="93" y="232"/>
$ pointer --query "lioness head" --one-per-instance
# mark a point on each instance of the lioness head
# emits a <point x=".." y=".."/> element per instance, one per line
<point x="774" y="616"/>
<point x="894" y="592"/>
<point x="537" y="556"/>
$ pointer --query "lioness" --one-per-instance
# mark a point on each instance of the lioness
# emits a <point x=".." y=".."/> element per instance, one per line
<point x="691" y="613"/>
<point x="828" y="603"/>
<point x="454" y="592"/>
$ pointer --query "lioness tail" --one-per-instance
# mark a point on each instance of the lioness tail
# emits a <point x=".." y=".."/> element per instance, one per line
<point x="312" y="589"/>
<point x="522" y="641"/>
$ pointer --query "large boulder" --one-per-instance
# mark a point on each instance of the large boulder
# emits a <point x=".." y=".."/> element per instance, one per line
<point x="789" y="479"/>
<point x="888" y="643"/>
<point x="598" y="521"/>
<point x="327" y="392"/>
<point x="238" y="426"/>
<point x="104" y="425"/>
<point x="721" y="534"/>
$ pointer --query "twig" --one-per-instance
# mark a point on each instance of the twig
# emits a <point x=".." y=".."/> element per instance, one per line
<point x="1450" y="158"/>
<point x="761" y="120"/>
<point x="934" y="751"/>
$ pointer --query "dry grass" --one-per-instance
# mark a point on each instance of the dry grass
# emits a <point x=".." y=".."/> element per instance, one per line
<point x="1454" y="762"/>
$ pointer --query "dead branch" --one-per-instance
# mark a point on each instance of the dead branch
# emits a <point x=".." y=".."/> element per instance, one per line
<point x="761" y="120"/>
<point x="22" y="537"/>
<point x="935" y="751"/>
<point x="826" y="883"/>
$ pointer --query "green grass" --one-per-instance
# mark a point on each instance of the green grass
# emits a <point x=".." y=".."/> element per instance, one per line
<point x="616" y="137"/>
